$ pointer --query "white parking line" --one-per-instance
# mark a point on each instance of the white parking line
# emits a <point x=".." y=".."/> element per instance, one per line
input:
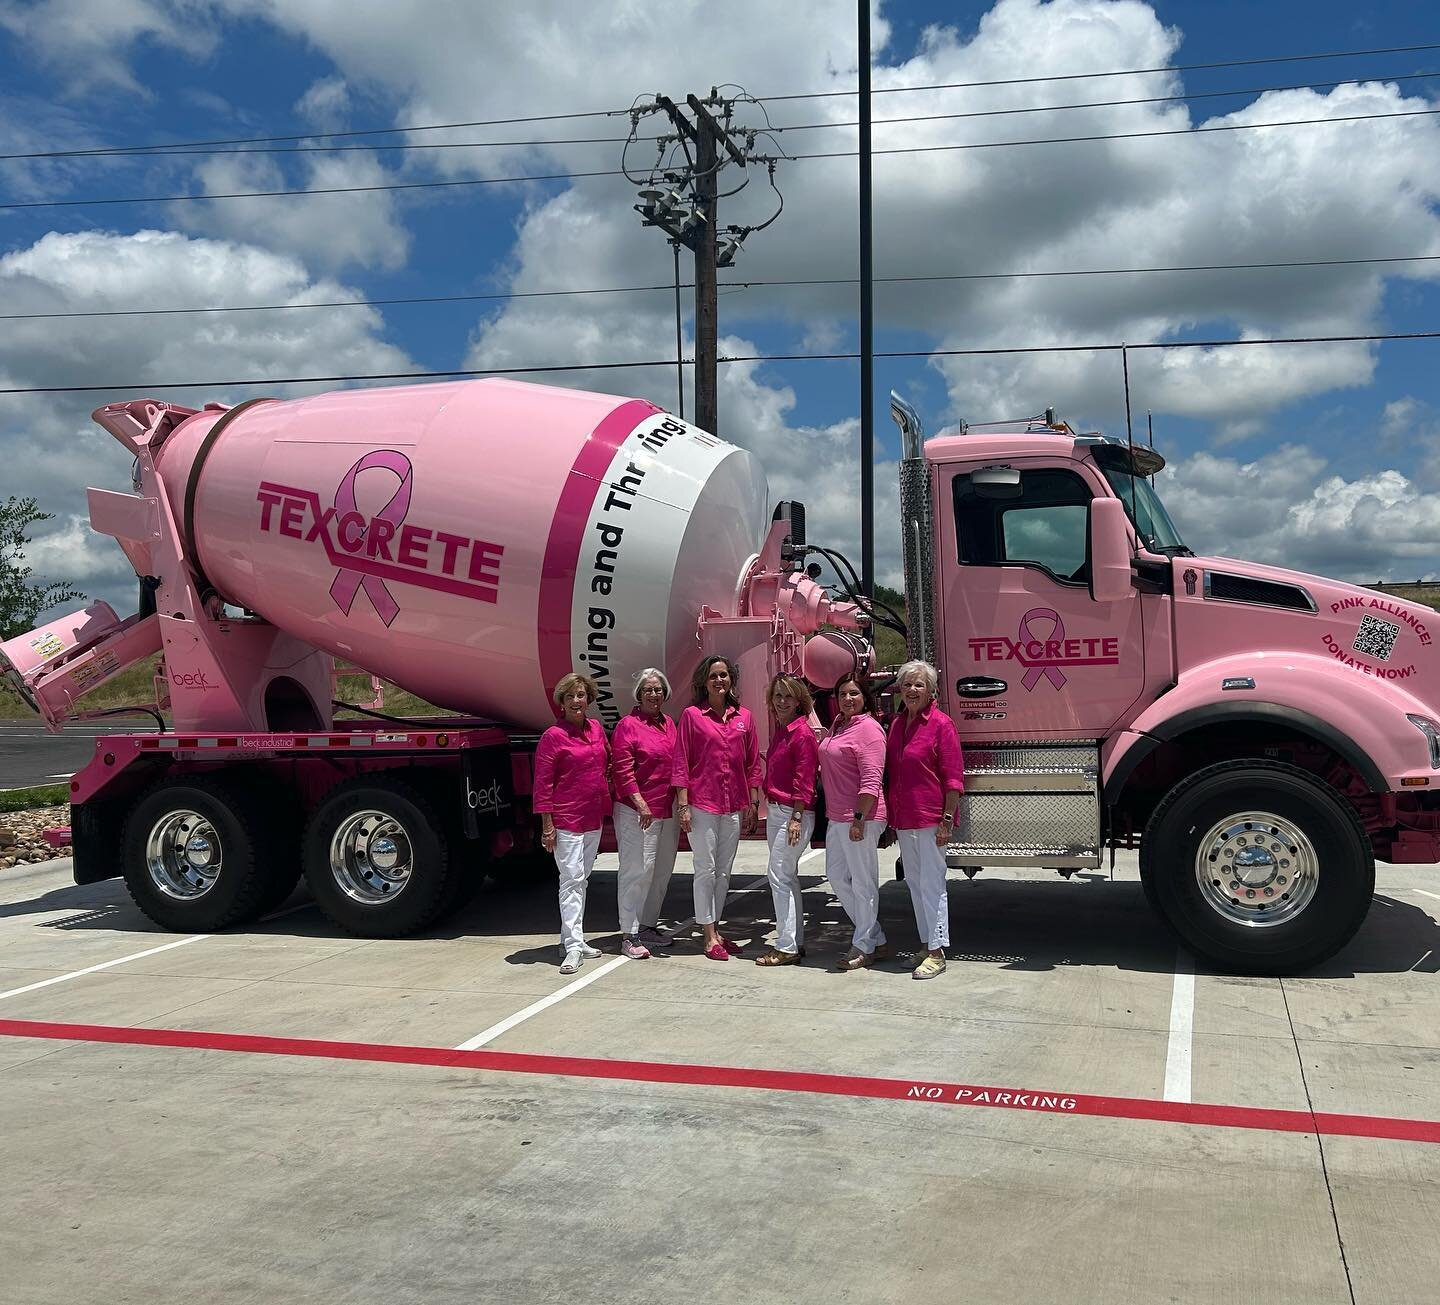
<point x="1182" y="1029"/>
<point x="1424" y="893"/>
<point x="93" y="969"/>
<point x="559" y="995"/>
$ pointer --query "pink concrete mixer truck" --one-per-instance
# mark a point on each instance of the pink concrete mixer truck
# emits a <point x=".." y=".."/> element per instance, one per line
<point x="1262" y="735"/>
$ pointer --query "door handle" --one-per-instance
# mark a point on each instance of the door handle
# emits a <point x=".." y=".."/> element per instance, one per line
<point x="980" y="686"/>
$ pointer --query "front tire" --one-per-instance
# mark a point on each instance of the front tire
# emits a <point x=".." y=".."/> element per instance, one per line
<point x="377" y="859"/>
<point x="1258" y="866"/>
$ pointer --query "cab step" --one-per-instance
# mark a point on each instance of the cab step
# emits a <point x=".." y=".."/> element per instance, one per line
<point x="1028" y="804"/>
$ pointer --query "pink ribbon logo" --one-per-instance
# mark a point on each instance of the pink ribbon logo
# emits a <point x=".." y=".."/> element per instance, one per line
<point x="1026" y="641"/>
<point x="348" y="582"/>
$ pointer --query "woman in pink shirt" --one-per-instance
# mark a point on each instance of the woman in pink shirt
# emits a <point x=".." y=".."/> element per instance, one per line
<point x="925" y="777"/>
<point x="717" y="778"/>
<point x="643" y="749"/>
<point x="791" y="765"/>
<point x="852" y="769"/>
<point x="571" y="797"/>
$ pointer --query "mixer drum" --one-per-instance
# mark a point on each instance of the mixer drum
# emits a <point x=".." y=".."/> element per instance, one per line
<point x="475" y="541"/>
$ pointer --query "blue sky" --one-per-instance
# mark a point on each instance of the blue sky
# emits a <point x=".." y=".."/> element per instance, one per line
<point x="1322" y="457"/>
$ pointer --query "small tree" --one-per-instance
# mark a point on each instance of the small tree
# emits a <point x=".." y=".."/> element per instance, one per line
<point x="22" y="600"/>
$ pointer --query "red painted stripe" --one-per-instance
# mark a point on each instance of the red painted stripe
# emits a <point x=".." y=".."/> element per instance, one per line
<point x="774" y="1080"/>
<point x="562" y="550"/>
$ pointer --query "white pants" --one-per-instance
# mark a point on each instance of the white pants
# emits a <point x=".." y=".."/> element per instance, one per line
<point x="925" y="878"/>
<point x="574" y="857"/>
<point x="647" y="857"/>
<point x="713" y="840"/>
<point x="854" y="872"/>
<point x="784" y="874"/>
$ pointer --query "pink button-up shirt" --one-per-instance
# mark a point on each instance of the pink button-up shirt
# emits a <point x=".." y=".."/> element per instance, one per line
<point x="852" y="763"/>
<point x="922" y="765"/>
<point x="791" y="764"/>
<point x="572" y="776"/>
<point x="717" y="758"/>
<point x="644" y="753"/>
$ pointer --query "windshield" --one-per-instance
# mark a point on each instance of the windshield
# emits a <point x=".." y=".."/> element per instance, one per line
<point x="1157" y="531"/>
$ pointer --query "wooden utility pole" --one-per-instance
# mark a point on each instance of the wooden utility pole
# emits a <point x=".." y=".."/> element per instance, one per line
<point x="707" y="304"/>
<point x="707" y="136"/>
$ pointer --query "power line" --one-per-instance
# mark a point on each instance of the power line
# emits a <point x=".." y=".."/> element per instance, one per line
<point x="201" y="151"/>
<point x="318" y="190"/>
<point x="819" y="154"/>
<point x="155" y="386"/>
<point x="1119" y="135"/>
<point x="733" y="285"/>
<point x="729" y="285"/>
<point x="624" y="112"/>
<point x="1120" y="72"/>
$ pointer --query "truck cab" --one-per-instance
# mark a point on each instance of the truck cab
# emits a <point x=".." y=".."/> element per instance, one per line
<point x="1261" y="735"/>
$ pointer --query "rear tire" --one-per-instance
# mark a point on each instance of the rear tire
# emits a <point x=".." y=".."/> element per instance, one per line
<point x="1258" y="866"/>
<point x="196" y="854"/>
<point x="377" y="858"/>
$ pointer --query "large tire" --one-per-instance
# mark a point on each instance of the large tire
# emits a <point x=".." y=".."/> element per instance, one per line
<point x="196" y="854"/>
<point x="377" y="858"/>
<point x="1259" y="867"/>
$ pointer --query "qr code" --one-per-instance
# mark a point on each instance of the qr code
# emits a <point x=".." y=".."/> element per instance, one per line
<point x="1376" y="638"/>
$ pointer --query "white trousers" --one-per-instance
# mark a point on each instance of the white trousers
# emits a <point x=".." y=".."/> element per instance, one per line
<point x="574" y="857"/>
<point x="647" y="858"/>
<point x="713" y="840"/>
<point x="925" y="878"/>
<point x="784" y="874"/>
<point x="853" y="870"/>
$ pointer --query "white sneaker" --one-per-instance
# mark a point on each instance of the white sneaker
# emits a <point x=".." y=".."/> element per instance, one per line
<point x="572" y="962"/>
<point x="587" y="951"/>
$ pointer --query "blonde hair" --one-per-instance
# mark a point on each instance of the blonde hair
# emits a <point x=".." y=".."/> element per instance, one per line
<point x="652" y="673"/>
<point x="575" y="681"/>
<point x="805" y="704"/>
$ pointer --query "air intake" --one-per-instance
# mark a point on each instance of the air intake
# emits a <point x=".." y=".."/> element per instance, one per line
<point x="1261" y="593"/>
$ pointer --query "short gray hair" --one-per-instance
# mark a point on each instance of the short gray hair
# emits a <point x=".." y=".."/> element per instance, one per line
<point x="651" y="673"/>
<point x="930" y="675"/>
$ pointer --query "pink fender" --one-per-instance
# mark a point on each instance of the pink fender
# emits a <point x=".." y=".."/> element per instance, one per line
<point x="1361" y="718"/>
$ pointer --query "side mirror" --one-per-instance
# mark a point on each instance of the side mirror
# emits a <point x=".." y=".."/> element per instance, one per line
<point x="996" y="482"/>
<point x="1110" y="552"/>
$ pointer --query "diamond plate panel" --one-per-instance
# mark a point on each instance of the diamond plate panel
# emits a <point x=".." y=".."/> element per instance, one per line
<point x="1028" y="820"/>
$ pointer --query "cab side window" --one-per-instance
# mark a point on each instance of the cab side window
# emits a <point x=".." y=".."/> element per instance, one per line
<point x="1045" y="526"/>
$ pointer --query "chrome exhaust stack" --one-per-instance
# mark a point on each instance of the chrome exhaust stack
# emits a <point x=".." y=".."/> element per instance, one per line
<point x="917" y="530"/>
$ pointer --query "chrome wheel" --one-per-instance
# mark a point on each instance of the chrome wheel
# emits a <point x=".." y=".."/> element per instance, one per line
<point x="183" y="855"/>
<point x="371" y="857"/>
<point x="1256" y="869"/>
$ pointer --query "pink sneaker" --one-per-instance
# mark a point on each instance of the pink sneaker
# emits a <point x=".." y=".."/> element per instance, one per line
<point x="634" y="950"/>
<point x="716" y="952"/>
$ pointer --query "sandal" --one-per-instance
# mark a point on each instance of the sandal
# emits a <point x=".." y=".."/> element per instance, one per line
<point x="776" y="957"/>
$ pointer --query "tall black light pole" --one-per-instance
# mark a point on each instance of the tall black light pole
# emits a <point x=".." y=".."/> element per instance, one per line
<point x="679" y="339"/>
<point x="867" y="321"/>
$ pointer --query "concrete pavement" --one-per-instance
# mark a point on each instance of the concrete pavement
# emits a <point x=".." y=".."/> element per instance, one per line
<point x="140" y="1173"/>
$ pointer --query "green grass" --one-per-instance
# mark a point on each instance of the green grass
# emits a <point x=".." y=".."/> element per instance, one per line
<point x="22" y="799"/>
<point x="136" y="686"/>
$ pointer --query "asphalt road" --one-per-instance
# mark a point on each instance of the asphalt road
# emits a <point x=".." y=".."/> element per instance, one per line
<point x="29" y="756"/>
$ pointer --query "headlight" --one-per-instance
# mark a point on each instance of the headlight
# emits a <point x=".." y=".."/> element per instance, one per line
<point x="1431" y="731"/>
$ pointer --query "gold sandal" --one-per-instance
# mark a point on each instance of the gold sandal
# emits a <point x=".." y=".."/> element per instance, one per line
<point x="776" y="957"/>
